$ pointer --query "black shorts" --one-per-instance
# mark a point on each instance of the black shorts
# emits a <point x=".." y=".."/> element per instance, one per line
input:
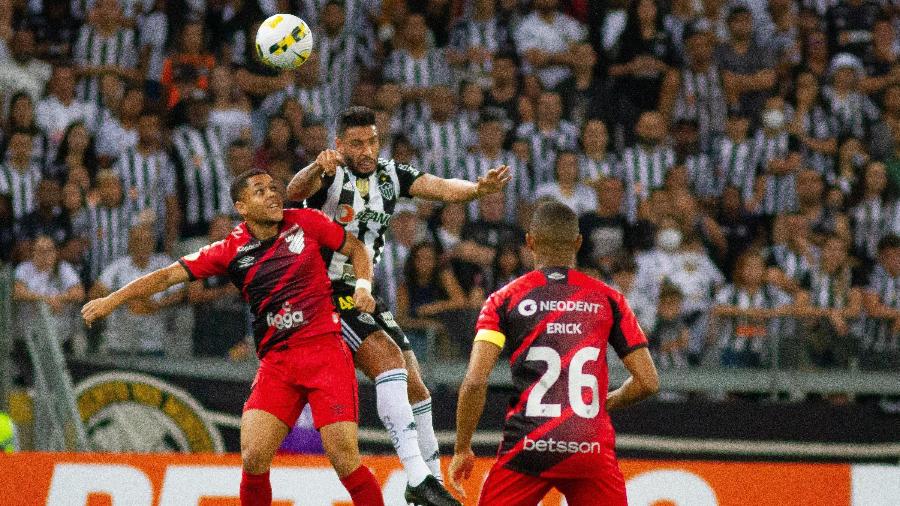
<point x="356" y="325"/>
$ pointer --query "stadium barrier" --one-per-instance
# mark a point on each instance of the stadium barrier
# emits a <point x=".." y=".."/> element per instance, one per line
<point x="32" y="479"/>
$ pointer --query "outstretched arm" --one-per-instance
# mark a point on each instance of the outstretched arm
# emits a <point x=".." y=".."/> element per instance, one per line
<point x="431" y="187"/>
<point x="140" y="288"/>
<point x="472" y="394"/>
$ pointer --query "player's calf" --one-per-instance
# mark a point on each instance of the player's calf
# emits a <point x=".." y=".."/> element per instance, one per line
<point x="342" y="449"/>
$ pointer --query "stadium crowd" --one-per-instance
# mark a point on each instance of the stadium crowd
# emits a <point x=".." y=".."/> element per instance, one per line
<point x="736" y="166"/>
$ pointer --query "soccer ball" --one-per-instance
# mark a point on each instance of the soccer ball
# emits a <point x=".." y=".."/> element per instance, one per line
<point x="284" y="41"/>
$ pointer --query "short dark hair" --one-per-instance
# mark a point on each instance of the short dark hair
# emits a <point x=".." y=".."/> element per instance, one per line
<point x="356" y="116"/>
<point x="554" y="223"/>
<point x="241" y="182"/>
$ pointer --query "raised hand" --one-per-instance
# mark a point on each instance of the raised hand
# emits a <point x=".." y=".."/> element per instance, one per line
<point x="493" y="181"/>
<point x="329" y="160"/>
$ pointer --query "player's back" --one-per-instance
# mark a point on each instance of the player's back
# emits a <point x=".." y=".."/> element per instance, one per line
<point x="556" y="323"/>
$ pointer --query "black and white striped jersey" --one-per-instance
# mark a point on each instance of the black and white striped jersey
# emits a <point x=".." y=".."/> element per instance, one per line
<point x="316" y="100"/>
<point x="701" y="97"/>
<point x="411" y="72"/>
<point x="150" y="176"/>
<point x="590" y="168"/>
<point x="644" y="168"/>
<point x="872" y="219"/>
<point x="106" y="230"/>
<point x="545" y="145"/>
<point x="340" y="60"/>
<point x="794" y="265"/>
<point x="878" y="334"/>
<point x="93" y="49"/>
<point x="363" y="205"/>
<point x="741" y="334"/>
<point x="443" y="143"/>
<point x="20" y="185"/>
<point x="819" y="125"/>
<point x="519" y="188"/>
<point x="781" y="190"/>
<point x="736" y="166"/>
<point x="203" y="178"/>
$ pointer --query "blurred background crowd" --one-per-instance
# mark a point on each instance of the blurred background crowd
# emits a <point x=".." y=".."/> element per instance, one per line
<point x="736" y="166"/>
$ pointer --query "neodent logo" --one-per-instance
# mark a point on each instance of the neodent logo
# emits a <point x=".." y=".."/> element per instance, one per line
<point x="285" y="319"/>
<point x="553" y="446"/>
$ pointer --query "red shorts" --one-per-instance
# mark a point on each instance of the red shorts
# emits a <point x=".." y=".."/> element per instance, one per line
<point x="504" y="487"/>
<point x="319" y="371"/>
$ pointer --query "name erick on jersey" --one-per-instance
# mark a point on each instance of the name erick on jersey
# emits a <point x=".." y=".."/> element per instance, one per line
<point x="557" y="322"/>
<point x="363" y="205"/>
<point x="282" y="278"/>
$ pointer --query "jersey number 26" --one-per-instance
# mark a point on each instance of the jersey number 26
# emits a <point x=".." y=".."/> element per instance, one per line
<point x="578" y="381"/>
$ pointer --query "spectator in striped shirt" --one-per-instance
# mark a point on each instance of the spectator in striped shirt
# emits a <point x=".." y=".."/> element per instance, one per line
<point x="21" y="117"/>
<point x="488" y="153"/>
<point x="60" y="108"/>
<point x="48" y="218"/>
<point x="545" y="40"/>
<point x="148" y="177"/>
<point x="202" y="176"/>
<point x="814" y="127"/>
<point x="880" y="347"/>
<point x="734" y="158"/>
<point x="230" y="110"/>
<point x="568" y="187"/>
<point x="445" y="137"/>
<point x="474" y="42"/>
<point x="875" y="215"/>
<point x="645" y="164"/>
<point x="701" y="171"/>
<point x="308" y="90"/>
<point x="105" y="46"/>
<point x="547" y="135"/>
<point x="695" y="92"/>
<point x="19" y="176"/>
<point x="119" y="131"/>
<point x="346" y="49"/>
<point x="747" y="314"/>
<point x="416" y="67"/>
<point x="834" y="307"/>
<point x="594" y="161"/>
<point x="777" y="156"/>
<point x="854" y="112"/>
<point x="669" y="336"/>
<point x="103" y="224"/>
<point x="824" y="219"/>
<point x="792" y="256"/>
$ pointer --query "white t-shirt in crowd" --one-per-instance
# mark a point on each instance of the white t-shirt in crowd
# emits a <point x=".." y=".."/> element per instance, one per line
<point x="582" y="200"/>
<point x="555" y="37"/>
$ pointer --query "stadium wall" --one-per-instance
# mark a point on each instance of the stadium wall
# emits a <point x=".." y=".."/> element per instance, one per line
<point x="32" y="479"/>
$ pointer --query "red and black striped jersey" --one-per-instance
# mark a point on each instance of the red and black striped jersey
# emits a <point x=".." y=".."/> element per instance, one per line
<point x="557" y="322"/>
<point x="282" y="278"/>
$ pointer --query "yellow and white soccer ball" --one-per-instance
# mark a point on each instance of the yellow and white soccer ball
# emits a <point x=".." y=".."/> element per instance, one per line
<point x="284" y="41"/>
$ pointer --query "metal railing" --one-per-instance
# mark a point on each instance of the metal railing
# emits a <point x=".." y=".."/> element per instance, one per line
<point x="6" y="335"/>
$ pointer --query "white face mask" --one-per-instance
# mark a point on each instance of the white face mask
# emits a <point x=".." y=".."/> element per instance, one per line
<point x="668" y="239"/>
<point x="773" y="119"/>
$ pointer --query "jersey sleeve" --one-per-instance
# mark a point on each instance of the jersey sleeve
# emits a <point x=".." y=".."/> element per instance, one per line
<point x="489" y="327"/>
<point x="326" y="232"/>
<point x="625" y="335"/>
<point x="211" y="260"/>
<point x="407" y="175"/>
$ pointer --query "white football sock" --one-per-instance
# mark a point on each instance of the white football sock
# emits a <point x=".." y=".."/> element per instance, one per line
<point x="428" y="442"/>
<point x="396" y="414"/>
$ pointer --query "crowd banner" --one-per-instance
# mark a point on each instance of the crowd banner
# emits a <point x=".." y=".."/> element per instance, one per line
<point x="95" y="479"/>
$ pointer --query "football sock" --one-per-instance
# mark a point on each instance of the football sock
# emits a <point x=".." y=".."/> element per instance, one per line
<point x="363" y="488"/>
<point x="392" y="402"/>
<point x="256" y="490"/>
<point x="428" y="442"/>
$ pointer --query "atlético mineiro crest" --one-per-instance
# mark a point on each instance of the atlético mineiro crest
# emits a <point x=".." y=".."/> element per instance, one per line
<point x="345" y="214"/>
<point x="387" y="190"/>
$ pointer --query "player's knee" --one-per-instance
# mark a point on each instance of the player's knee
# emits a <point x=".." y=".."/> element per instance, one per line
<point x="254" y="460"/>
<point x="343" y="454"/>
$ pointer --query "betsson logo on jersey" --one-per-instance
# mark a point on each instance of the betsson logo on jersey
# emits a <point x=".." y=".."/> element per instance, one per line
<point x="285" y="319"/>
<point x="553" y="446"/>
<point x="528" y="307"/>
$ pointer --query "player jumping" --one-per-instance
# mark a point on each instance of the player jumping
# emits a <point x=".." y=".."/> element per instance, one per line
<point x="557" y="322"/>
<point x="359" y="191"/>
<point x="274" y="258"/>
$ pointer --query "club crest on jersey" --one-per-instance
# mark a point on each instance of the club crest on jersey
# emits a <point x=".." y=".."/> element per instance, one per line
<point x="387" y="190"/>
<point x="345" y="214"/>
<point x="295" y="242"/>
<point x="556" y="276"/>
<point x="366" y="318"/>
<point x="349" y="186"/>
<point x="245" y="262"/>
